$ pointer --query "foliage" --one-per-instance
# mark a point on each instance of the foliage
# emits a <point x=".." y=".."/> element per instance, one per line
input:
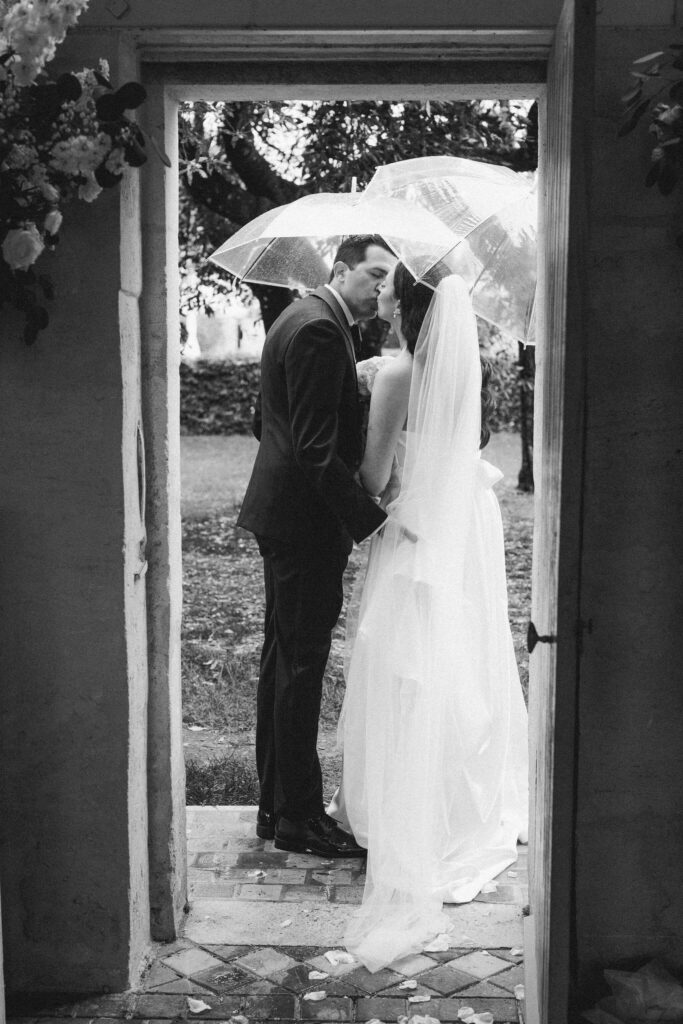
<point x="218" y="398"/>
<point x="59" y="141"/>
<point x="654" y="78"/>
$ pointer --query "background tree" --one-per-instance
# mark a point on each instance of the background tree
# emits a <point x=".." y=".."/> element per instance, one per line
<point x="240" y="159"/>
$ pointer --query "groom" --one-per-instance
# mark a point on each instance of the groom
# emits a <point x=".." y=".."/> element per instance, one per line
<point x="306" y="510"/>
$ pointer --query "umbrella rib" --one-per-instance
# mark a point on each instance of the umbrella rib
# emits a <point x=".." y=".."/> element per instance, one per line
<point x="494" y="213"/>
<point x="484" y="267"/>
<point x="265" y="249"/>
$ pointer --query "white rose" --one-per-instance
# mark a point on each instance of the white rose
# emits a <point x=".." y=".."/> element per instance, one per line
<point x="90" y="190"/>
<point x="22" y="247"/>
<point x="53" y="222"/>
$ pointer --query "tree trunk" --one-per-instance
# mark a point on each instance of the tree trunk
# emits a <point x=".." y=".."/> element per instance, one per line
<point x="527" y="367"/>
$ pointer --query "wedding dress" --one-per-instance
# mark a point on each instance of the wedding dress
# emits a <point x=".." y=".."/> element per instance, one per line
<point x="433" y="727"/>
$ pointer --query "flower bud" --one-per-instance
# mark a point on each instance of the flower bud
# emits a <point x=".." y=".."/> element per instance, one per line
<point x="53" y="222"/>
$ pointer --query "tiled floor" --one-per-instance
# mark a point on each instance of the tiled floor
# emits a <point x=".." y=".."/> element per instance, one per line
<point x="261" y="923"/>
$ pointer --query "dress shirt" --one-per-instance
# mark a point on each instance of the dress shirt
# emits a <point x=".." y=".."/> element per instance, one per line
<point x="347" y="312"/>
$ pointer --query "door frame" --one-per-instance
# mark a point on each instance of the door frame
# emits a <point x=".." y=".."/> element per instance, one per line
<point x="383" y="65"/>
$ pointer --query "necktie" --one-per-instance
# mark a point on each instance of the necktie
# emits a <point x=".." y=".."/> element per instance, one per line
<point x="357" y="338"/>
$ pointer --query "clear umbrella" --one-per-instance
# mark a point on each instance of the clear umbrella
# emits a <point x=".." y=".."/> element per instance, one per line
<point x="294" y="245"/>
<point x="491" y="213"/>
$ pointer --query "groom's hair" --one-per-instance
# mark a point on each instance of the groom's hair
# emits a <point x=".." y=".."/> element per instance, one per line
<point x="353" y="249"/>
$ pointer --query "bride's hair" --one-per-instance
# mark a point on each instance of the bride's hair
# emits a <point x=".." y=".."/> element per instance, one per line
<point x="414" y="299"/>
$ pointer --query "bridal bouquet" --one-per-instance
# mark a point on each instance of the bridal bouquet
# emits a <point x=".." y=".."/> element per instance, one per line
<point x="60" y="140"/>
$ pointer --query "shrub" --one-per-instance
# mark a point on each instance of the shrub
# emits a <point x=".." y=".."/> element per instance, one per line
<point x="219" y="398"/>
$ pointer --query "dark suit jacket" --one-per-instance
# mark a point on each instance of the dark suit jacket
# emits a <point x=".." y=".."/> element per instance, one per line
<point x="308" y="425"/>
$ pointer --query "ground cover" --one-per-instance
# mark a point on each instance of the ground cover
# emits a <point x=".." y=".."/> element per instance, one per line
<point x="223" y="612"/>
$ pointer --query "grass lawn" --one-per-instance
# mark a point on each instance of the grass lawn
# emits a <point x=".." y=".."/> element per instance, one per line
<point x="223" y="609"/>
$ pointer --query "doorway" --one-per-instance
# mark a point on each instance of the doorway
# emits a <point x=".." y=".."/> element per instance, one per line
<point x="392" y="74"/>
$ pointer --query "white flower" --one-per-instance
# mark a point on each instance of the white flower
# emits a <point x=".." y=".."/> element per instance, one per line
<point x="22" y="247"/>
<point x="32" y="28"/>
<point x="53" y="222"/>
<point x="80" y="154"/>
<point x="90" y="190"/>
<point x="116" y="161"/>
<point x="19" y="157"/>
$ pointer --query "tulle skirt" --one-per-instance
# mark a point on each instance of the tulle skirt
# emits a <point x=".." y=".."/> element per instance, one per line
<point x="433" y="730"/>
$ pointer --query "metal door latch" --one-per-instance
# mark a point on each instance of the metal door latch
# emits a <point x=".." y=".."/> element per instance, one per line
<point x="533" y="638"/>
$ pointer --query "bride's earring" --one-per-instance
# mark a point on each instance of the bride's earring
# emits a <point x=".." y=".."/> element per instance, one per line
<point x="397" y="310"/>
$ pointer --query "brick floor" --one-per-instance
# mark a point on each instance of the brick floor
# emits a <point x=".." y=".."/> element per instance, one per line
<point x="270" y="980"/>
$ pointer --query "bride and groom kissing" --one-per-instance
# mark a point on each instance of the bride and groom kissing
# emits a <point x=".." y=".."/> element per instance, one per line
<point x="433" y="726"/>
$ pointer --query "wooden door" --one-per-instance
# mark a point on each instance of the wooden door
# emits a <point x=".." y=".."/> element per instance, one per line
<point x="558" y="447"/>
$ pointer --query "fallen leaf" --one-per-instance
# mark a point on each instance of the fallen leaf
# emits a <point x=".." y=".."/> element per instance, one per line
<point x="239" y="1019"/>
<point x="196" y="728"/>
<point x="465" y="1012"/>
<point x="256" y="874"/>
<point x="317" y="975"/>
<point x="419" y="999"/>
<point x="339" y="956"/>
<point x="519" y="991"/>
<point x="315" y="997"/>
<point x="516" y="951"/>
<point x="409" y="983"/>
<point x="197" y="1005"/>
<point x="286" y="923"/>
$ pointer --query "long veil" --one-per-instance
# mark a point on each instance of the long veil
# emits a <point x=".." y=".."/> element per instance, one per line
<point x="434" y="725"/>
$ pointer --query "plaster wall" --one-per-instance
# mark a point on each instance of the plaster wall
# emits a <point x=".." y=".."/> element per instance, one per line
<point x="72" y="617"/>
<point x="629" y="828"/>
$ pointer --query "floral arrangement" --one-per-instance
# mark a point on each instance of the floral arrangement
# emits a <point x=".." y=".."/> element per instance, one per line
<point x="654" y="79"/>
<point x="60" y="141"/>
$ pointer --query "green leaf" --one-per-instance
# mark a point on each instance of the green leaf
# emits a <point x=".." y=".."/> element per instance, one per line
<point x="648" y="57"/>
<point x="668" y="178"/>
<point x="160" y="152"/>
<point x="131" y="95"/>
<point x="68" y="88"/>
<point x="652" y="176"/>
<point x="633" y="94"/>
<point x="109" y="107"/>
<point x="632" y="120"/>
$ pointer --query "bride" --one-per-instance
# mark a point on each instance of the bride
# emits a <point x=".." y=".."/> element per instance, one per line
<point x="433" y="726"/>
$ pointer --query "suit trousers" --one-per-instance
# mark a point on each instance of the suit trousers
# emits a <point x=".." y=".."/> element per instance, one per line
<point x="303" y="584"/>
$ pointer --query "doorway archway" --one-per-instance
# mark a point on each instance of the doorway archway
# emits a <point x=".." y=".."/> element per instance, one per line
<point x="389" y="65"/>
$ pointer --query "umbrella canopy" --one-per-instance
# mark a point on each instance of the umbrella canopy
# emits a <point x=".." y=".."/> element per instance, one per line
<point x="491" y="213"/>
<point x="294" y="245"/>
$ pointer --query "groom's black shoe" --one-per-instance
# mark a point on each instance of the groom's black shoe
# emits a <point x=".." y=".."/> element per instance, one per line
<point x="265" y="825"/>
<point x="321" y="836"/>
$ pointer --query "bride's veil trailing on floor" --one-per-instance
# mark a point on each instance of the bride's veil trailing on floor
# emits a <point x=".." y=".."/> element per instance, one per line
<point x="434" y="725"/>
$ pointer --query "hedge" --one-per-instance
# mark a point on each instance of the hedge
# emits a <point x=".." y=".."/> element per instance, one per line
<point x="218" y="398"/>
